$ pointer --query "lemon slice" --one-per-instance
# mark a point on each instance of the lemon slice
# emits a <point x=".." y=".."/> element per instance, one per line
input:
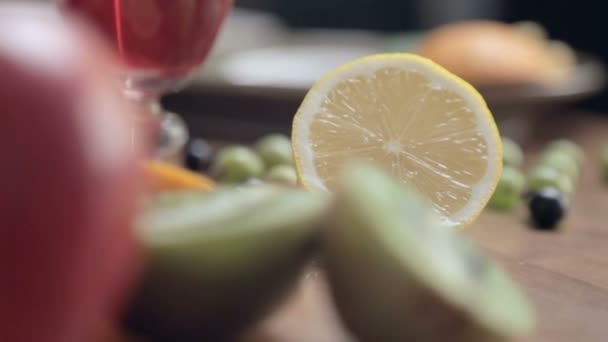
<point x="426" y="126"/>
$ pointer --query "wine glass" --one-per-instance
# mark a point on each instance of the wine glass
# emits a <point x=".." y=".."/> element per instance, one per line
<point x="161" y="42"/>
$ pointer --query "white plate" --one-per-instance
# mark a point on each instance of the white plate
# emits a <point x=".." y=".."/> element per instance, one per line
<point x="286" y="67"/>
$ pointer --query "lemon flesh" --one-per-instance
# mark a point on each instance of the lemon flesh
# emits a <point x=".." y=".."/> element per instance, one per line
<point x="427" y="127"/>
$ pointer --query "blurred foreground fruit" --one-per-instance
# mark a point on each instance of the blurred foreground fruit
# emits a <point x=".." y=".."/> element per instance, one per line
<point x="217" y="262"/>
<point x="398" y="275"/>
<point x="69" y="180"/>
<point x="110" y="333"/>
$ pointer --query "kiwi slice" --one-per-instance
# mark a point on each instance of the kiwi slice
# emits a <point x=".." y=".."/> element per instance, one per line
<point x="398" y="274"/>
<point x="217" y="262"/>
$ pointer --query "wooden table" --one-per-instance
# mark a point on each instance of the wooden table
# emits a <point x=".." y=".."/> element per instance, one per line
<point x="565" y="273"/>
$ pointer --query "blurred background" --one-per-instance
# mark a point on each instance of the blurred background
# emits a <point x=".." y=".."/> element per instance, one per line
<point x="579" y="23"/>
<point x="271" y="51"/>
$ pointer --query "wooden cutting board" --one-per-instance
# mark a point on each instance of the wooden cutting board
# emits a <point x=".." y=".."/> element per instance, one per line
<point x="565" y="273"/>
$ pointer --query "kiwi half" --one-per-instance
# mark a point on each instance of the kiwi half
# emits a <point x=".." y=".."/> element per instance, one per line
<point x="397" y="274"/>
<point x="217" y="262"/>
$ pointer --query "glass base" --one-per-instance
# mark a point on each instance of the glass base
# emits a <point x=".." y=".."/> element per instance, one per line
<point x="170" y="131"/>
<point x="172" y="138"/>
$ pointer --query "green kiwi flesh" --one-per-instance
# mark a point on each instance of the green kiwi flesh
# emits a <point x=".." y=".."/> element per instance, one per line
<point x="217" y="262"/>
<point x="398" y="274"/>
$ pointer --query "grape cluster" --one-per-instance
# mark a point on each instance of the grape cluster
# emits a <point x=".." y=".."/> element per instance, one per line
<point x="549" y="183"/>
<point x="269" y="160"/>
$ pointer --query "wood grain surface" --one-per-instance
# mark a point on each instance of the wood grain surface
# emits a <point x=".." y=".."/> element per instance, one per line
<point x="565" y="273"/>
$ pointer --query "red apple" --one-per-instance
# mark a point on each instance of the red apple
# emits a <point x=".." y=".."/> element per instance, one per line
<point x="69" y="180"/>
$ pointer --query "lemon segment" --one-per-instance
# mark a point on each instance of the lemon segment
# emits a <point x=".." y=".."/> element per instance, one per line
<point x="426" y="126"/>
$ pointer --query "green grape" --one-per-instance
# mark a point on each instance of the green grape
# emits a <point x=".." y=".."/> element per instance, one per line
<point x="275" y="149"/>
<point x="512" y="153"/>
<point x="569" y="148"/>
<point x="236" y="164"/>
<point x="509" y="190"/>
<point x="546" y="176"/>
<point x="282" y="174"/>
<point x="561" y="161"/>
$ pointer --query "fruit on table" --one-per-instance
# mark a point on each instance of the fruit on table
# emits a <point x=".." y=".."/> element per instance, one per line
<point x="552" y="181"/>
<point x="562" y="161"/>
<point x="218" y="261"/>
<point x="568" y="147"/>
<point x="547" y="208"/>
<point x="69" y="179"/>
<point x="164" y="177"/>
<point x="282" y="174"/>
<point x="275" y="149"/>
<point x="512" y="155"/>
<point x="495" y="53"/>
<point x="397" y="275"/>
<point x="430" y="129"/>
<point x="199" y="155"/>
<point x="509" y="190"/>
<point x="546" y="176"/>
<point x="235" y="164"/>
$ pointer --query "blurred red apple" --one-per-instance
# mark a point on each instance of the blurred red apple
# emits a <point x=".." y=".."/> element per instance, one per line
<point x="69" y="180"/>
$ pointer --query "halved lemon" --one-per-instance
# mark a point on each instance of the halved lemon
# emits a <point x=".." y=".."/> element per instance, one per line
<point x="428" y="127"/>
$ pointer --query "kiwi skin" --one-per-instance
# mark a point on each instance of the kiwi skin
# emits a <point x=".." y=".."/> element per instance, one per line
<point x="386" y="291"/>
<point x="214" y="287"/>
<point x="222" y="316"/>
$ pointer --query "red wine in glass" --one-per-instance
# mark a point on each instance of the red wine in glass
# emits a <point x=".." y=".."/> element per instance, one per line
<point x="161" y="42"/>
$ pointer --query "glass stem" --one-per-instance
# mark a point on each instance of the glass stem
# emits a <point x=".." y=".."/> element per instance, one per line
<point x="166" y="131"/>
